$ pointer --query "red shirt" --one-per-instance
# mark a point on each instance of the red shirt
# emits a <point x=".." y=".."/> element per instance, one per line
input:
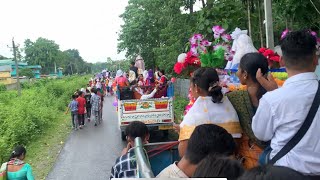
<point x="81" y="105"/>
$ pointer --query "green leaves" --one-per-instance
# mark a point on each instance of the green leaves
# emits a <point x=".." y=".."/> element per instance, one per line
<point x="24" y="118"/>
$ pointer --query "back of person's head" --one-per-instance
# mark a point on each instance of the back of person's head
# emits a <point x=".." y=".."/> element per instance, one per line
<point x="250" y="63"/>
<point x="74" y="96"/>
<point x="132" y="63"/>
<point x="94" y="90"/>
<point x="207" y="80"/>
<point x="18" y="152"/>
<point x="215" y="166"/>
<point x="162" y="72"/>
<point x="272" y="173"/>
<point x="299" y="50"/>
<point x="207" y="139"/>
<point x="137" y="129"/>
<point x="80" y="93"/>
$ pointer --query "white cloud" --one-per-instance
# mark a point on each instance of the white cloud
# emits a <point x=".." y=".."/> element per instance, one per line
<point x="89" y="26"/>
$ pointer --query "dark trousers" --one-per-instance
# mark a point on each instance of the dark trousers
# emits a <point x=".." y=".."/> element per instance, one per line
<point x="88" y="112"/>
<point x="81" y="119"/>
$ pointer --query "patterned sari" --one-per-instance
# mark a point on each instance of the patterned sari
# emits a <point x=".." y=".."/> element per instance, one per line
<point x="249" y="147"/>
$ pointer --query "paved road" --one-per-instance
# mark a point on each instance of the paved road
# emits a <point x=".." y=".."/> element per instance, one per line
<point x="91" y="152"/>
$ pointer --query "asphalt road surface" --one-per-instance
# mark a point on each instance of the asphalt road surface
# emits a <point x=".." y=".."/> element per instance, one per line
<point x="90" y="153"/>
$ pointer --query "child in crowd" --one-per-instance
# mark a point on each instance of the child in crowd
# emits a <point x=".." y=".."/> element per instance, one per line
<point x="73" y="107"/>
<point x="81" y="108"/>
<point x="126" y="165"/>
<point x="205" y="139"/>
<point x="88" y="104"/>
<point x="95" y="102"/>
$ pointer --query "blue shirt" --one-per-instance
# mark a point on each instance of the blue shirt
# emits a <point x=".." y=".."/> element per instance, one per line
<point x="73" y="106"/>
<point x="25" y="173"/>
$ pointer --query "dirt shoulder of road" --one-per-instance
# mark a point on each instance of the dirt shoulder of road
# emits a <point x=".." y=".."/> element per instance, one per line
<point x="44" y="150"/>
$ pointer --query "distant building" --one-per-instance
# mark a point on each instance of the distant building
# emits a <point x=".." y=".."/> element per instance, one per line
<point x="21" y="65"/>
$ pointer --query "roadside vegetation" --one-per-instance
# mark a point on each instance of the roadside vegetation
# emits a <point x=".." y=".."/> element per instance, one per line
<point x="36" y="120"/>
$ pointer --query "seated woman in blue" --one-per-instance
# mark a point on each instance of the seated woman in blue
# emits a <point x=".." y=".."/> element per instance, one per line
<point x="16" y="168"/>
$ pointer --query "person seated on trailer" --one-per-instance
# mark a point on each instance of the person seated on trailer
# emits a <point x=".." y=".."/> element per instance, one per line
<point x="163" y="79"/>
<point x="216" y="166"/>
<point x="150" y="78"/>
<point x="211" y="106"/>
<point x="205" y="139"/>
<point x="121" y="80"/>
<point x="148" y="94"/>
<point x="132" y="77"/>
<point x="126" y="164"/>
<point x="282" y="112"/>
<point x="246" y="103"/>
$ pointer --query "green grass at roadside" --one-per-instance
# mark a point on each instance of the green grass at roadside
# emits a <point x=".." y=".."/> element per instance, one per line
<point x="36" y="120"/>
<point x="179" y="104"/>
<point x="43" y="151"/>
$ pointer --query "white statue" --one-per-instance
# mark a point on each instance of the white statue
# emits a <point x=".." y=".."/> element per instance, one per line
<point x="242" y="44"/>
<point x="140" y="64"/>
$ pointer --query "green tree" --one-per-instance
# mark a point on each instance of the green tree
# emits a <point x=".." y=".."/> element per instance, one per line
<point x="42" y="52"/>
<point x="26" y="72"/>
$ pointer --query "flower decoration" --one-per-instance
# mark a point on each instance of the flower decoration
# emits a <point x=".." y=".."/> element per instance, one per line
<point x="284" y="33"/>
<point x="272" y="57"/>
<point x="178" y="67"/>
<point x="217" y="31"/>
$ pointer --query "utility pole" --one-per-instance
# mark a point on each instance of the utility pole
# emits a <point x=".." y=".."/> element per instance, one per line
<point x="17" y="67"/>
<point x="269" y="23"/>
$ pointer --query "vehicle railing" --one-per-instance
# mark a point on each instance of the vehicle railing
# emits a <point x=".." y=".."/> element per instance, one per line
<point x="143" y="164"/>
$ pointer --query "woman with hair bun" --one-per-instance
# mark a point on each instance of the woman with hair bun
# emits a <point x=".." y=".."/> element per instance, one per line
<point x="211" y="106"/>
<point x="16" y="168"/>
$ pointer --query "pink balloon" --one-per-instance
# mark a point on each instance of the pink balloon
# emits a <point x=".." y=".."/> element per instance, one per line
<point x="115" y="103"/>
<point x="173" y="80"/>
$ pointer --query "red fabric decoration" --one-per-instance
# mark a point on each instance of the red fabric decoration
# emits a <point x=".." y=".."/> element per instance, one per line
<point x="178" y="67"/>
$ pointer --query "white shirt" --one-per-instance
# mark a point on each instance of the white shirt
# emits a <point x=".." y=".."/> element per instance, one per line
<point x="148" y="96"/>
<point x="172" y="171"/>
<point x="280" y="115"/>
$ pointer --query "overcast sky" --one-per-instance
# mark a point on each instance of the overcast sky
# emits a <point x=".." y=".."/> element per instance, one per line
<point x="89" y="26"/>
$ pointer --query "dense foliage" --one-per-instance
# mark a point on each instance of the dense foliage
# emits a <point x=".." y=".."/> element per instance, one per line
<point x="26" y="117"/>
<point x="159" y="30"/>
<point x="46" y="53"/>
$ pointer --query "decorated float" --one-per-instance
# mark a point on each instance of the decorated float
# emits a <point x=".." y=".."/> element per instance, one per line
<point x="223" y="53"/>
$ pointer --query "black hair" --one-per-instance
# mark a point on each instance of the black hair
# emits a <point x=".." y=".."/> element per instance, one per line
<point x="74" y="96"/>
<point x="132" y="63"/>
<point x="80" y="93"/>
<point x="137" y="129"/>
<point x="94" y="90"/>
<point x="17" y="152"/>
<point x="207" y="79"/>
<point x="250" y="63"/>
<point x="207" y="139"/>
<point x="215" y="166"/>
<point x="87" y="90"/>
<point x="270" y="172"/>
<point x="298" y="49"/>
<point x="162" y="71"/>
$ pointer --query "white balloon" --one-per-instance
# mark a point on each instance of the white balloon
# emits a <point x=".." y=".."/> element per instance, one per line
<point x="182" y="58"/>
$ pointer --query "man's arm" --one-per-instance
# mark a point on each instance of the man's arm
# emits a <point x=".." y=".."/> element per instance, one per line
<point x="263" y="121"/>
<point x="148" y="96"/>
